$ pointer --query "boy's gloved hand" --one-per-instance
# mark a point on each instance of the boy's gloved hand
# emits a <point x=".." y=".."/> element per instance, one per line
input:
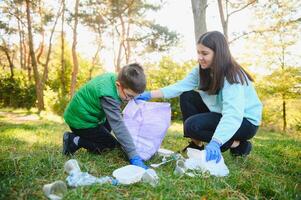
<point x="145" y="96"/>
<point x="136" y="160"/>
<point x="213" y="151"/>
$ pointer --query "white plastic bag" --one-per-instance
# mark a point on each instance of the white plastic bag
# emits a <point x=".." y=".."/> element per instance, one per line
<point x="147" y="123"/>
<point x="197" y="161"/>
<point x="78" y="178"/>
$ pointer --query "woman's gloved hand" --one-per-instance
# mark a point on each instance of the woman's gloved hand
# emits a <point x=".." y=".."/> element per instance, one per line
<point x="213" y="151"/>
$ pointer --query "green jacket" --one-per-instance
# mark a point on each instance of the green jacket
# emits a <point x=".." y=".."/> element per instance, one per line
<point x="84" y="110"/>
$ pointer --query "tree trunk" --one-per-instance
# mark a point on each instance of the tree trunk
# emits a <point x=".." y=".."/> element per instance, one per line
<point x="199" y="17"/>
<point x="74" y="56"/>
<point x="284" y="112"/>
<point x="9" y="59"/>
<point x="127" y="45"/>
<point x="64" y="91"/>
<point x="222" y="17"/>
<point x="11" y="64"/>
<point x="45" y="73"/>
<point x="21" y="45"/>
<point x="94" y="61"/>
<point x="121" y="44"/>
<point x="40" y="50"/>
<point x="118" y="60"/>
<point x="28" y="67"/>
<point x="25" y="50"/>
<point x="38" y="86"/>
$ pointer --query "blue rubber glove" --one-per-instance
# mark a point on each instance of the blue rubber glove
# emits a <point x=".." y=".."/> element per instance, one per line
<point x="213" y="151"/>
<point x="145" y="96"/>
<point x="136" y="160"/>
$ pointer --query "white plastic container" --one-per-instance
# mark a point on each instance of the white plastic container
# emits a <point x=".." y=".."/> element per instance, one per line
<point x="180" y="168"/>
<point x="150" y="176"/>
<point x="129" y="174"/>
<point x="55" y="190"/>
<point x="71" y="166"/>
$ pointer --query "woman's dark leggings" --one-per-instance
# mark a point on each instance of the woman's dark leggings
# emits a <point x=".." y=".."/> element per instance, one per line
<point x="96" y="139"/>
<point x="200" y="123"/>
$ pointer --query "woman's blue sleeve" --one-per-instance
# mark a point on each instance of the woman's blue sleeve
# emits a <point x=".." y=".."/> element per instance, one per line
<point x="190" y="82"/>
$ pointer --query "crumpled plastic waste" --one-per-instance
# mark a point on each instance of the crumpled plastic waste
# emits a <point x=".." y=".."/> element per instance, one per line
<point x="197" y="161"/>
<point x="195" y="165"/>
<point x="172" y="157"/>
<point x="77" y="178"/>
<point x="55" y="190"/>
<point x="130" y="174"/>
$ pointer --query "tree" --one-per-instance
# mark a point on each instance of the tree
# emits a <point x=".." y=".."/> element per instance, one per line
<point x="7" y="30"/>
<point x="224" y="8"/>
<point x="131" y="32"/>
<point x="94" y="18"/>
<point x="167" y="72"/>
<point x="28" y="45"/>
<point x="199" y="17"/>
<point x="74" y="54"/>
<point x="281" y="20"/>
<point x="4" y="47"/>
<point x="39" y="80"/>
<point x="63" y="67"/>
<point x="38" y="83"/>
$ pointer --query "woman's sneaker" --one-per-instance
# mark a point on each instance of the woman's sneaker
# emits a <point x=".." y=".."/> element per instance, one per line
<point x="194" y="146"/>
<point x="69" y="147"/>
<point x="243" y="149"/>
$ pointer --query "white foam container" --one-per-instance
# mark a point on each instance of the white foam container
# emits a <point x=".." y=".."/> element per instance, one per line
<point x="129" y="174"/>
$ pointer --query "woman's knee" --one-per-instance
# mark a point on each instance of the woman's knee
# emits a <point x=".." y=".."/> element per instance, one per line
<point x="192" y="128"/>
<point x="187" y="128"/>
<point x="188" y="96"/>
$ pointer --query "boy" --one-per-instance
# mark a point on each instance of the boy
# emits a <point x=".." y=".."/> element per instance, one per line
<point x="95" y="109"/>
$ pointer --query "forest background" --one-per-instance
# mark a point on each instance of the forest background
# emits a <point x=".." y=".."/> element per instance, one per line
<point x="48" y="49"/>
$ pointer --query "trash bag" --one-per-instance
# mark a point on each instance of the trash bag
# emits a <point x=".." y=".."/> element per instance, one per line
<point x="147" y="123"/>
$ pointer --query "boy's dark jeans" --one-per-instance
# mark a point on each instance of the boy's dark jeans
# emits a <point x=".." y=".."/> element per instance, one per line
<point x="96" y="139"/>
<point x="200" y="123"/>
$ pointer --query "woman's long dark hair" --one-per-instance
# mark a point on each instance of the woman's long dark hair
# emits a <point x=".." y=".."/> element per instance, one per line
<point x="223" y="65"/>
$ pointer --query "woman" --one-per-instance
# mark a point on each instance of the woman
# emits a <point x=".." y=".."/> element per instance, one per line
<point x="218" y="101"/>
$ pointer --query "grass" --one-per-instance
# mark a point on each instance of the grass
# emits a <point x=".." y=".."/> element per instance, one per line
<point x="30" y="156"/>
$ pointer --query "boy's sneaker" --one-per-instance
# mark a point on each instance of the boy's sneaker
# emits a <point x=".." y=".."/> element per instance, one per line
<point x="194" y="146"/>
<point x="243" y="149"/>
<point x="69" y="147"/>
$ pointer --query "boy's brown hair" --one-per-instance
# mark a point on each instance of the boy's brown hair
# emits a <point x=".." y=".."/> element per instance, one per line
<point x="132" y="77"/>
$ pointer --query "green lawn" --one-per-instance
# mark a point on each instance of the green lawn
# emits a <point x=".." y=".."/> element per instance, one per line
<point x="30" y="156"/>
